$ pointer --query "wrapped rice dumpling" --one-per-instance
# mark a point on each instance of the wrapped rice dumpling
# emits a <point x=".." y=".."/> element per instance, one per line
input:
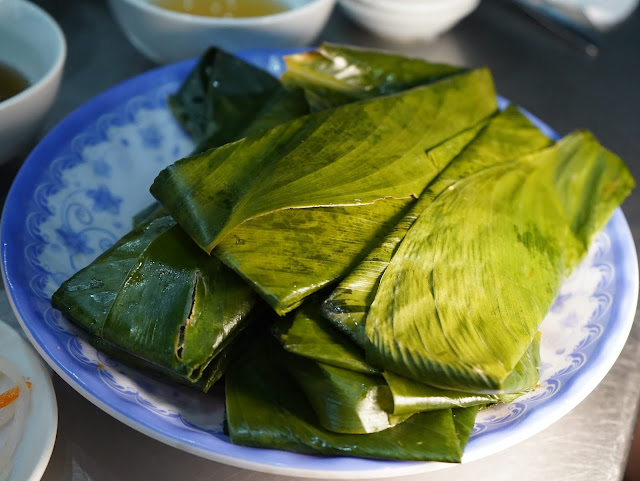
<point x="224" y="99"/>
<point x="265" y="408"/>
<point x="156" y="299"/>
<point x="464" y="294"/>
<point x="335" y="75"/>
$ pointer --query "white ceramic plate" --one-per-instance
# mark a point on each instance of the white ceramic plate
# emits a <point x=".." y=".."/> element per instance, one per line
<point x="32" y="455"/>
<point x="75" y="196"/>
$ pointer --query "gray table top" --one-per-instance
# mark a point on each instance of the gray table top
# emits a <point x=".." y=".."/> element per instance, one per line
<point x="558" y="84"/>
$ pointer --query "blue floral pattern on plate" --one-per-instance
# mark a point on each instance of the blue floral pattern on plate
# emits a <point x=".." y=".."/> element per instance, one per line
<point x="76" y="195"/>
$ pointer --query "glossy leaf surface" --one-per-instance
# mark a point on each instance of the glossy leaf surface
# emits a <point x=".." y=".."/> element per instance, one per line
<point x="307" y="333"/>
<point x="410" y="396"/>
<point x="157" y="296"/>
<point x="353" y="155"/>
<point x="221" y="97"/>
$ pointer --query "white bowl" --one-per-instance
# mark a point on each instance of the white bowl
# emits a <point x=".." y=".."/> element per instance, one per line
<point x="408" y="20"/>
<point x="437" y="7"/>
<point x="32" y="43"/>
<point x="167" y="36"/>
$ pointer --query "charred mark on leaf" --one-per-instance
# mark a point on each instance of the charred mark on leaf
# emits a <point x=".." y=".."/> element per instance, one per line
<point x="180" y="342"/>
<point x="189" y="320"/>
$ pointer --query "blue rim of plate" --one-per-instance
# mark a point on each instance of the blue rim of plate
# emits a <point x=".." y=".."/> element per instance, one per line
<point x="265" y="460"/>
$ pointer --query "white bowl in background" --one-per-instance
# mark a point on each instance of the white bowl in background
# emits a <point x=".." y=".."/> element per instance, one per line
<point x="32" y="43"/>
<point x="407" y="20"/>
<point x="603" y="14"/>
<point x="422" y="7"/>
<point x="166" y="36"/>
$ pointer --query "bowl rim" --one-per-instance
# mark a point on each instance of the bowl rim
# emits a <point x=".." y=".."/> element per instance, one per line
<point x="58" y="62"/>
<point x="414" y="7"/>
<point x="150" y="7"/>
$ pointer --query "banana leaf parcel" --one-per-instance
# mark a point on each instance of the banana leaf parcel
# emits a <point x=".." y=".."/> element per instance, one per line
<point x="464" y="294"/>
<point x="293" y="202"/>
<point x="348" y="394"/>
<point x="294" y="208"/>
<point x="266" y="408"/>
<point x="156" y="300"/>
<point x="224" y="98"/>
<point x="335" y="75"/>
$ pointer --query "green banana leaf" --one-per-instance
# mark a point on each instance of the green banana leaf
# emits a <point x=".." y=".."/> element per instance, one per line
<point x="224" y="95"/>
<point x="265" y="250"/>
<point x="345" y="401"/>
<point x="156" y="296"/>
<point x="507" y="136"/>
<point x="261" y="399"/>
<point x="410" y="396"/>
<point x="314" y="197"/>
<point x="464" y="294"/>
<point x="335" y="75"/>
<point x="291" y="254"/>
<point x="304" y="332"/>
<point x="283" y="106"/>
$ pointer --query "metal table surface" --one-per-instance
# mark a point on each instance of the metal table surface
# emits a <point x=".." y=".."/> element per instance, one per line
<point x="565" y="88"/>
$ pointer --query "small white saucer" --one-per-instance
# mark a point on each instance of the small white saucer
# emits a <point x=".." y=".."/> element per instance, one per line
<point x="32" y="455"/>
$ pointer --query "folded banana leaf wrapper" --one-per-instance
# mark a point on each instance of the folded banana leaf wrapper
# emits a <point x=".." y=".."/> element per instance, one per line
<point x="306" y="333"/>
<point x="187" y="334"/>
<point x="350" y="396"/>
<point x="335" y="75"/>
<point x="156" y="300"/>
<point x="266" y="408"/>
<point x="224" y="99"/>
<point x="473" y="278"/>
<point x="354" y="401"/>
<point x="295" y="208"/>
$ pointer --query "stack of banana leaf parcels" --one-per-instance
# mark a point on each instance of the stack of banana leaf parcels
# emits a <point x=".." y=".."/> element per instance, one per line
<point x="364" y="248"/>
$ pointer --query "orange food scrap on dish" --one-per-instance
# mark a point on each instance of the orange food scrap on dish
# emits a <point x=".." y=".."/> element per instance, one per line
<point x="10" y="395"/>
